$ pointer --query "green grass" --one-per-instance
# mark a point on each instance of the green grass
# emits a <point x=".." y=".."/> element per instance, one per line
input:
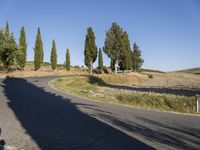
<point x="93" y="88"/>
<point x="75" y="85"/>
<point x="161" y="102"/>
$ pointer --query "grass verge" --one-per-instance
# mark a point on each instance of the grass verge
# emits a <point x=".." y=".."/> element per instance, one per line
<point x="96" y="89"/>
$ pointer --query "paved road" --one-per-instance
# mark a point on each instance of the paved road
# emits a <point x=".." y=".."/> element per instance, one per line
<point x="34" y="116"/>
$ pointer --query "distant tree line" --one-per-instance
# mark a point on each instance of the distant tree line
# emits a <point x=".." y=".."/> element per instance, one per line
<point x="116" y="47"/>
<point x="13" y="55"/>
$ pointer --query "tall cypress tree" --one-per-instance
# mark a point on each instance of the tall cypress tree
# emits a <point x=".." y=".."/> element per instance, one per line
<point x="67" y="61"/>
<point x="42" y="52"/>
<point x="125" y="53"/>
<point x="90" y="51"/>
<point x="137" y="57"/>
<point x="41" y="49"/>
<point x="38" y="51"/>
<point x="22" y="49"/>
<point x="113" y="44"/>
<point x="100" y="65"/>
<point x="53" y="56"/>
<point x="1" y="41"/>
<point x="1" y="37"/>
<point x="7" y="32"/>
<point x="1" y="45"/>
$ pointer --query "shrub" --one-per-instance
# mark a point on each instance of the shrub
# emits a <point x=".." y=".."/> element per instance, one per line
<point x="151" y="76"/>
<point x="76" y="66"/>
<point x="100" y="71"/>
<point x="105" y="69"/>
<point x="97" y="71"/>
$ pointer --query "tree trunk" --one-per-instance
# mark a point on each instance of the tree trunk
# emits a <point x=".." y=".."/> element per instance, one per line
<point x="91" y="68"/>
<point x="115" y="67"/>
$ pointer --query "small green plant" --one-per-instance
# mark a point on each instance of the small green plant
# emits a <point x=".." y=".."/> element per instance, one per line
<point x="60" y="80"/>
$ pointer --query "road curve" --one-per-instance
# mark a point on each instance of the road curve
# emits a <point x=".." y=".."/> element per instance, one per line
<point x="34" y="116"/>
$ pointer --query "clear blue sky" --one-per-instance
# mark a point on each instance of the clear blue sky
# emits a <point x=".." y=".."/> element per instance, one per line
<point x="167" y="31"/>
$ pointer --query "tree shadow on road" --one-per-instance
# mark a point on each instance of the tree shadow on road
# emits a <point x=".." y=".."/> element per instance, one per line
<point x="53" y="122"/>
<point x="164" y="90"/>
<point x="2" y="143"/>
<point x="156" y="132"/>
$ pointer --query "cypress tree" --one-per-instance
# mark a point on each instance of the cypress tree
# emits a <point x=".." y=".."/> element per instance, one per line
<point x="53" y="56"/>
<point x="113" y="44"/>
<point x="67" y="60"/>
<point x="8" y="48"/>
<point x="8" y="56"/>
<point x="1" y="41"/>
<point x="1" y="37"/>
<point x="137" y="59"/>
<point x="1" y="45"/>
<point x="125" y="54"/>
<point x="90" y="51"/>
<point x="22" y="49"/>
<point x="100" y="65"/>
<point x="41" y="51"/>
<point x="38" y="51"/>
<point x="7" y="32"/>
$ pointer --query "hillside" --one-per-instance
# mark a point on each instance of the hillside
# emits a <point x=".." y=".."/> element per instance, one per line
<point x="193" y="71"/>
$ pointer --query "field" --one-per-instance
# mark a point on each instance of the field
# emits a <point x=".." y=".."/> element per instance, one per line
<point x="45" y="70"/>
<point x="173" y="79"/>
<point x="193" y="71"/>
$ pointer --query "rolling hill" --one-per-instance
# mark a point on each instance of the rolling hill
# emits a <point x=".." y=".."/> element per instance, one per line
<point x="193" y="71"/>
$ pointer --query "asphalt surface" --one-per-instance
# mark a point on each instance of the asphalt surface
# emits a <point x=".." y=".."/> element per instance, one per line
<point x="34" y="116"/>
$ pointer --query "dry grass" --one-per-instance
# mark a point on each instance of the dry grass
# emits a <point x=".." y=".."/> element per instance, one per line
<point x="40" y="73"/>
<point x="123" y="79"/>
<point x="170" y="80"/>
<point x="43" y="71"/>
<point x="175" y="79"/>
<point x="193" y="71"/>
